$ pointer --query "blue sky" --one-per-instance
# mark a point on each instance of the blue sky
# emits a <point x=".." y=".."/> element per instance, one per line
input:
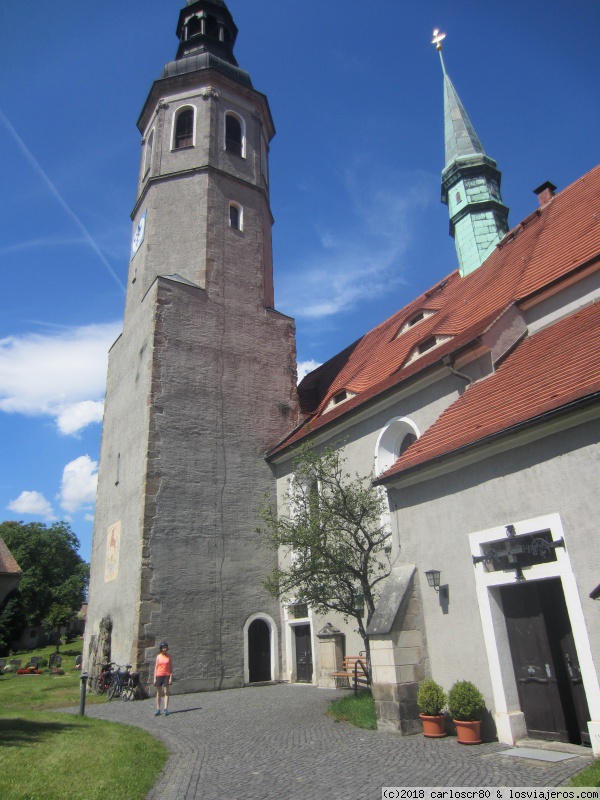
<point x="355" y="90"/>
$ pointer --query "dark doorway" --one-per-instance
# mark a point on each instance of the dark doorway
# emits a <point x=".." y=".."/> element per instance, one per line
<point x="259" y="651"/>
<point x="546" y="666"/>
<point x="303" y="653"/>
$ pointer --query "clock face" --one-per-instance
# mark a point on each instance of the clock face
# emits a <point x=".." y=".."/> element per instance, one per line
<point x="138" y="235"/>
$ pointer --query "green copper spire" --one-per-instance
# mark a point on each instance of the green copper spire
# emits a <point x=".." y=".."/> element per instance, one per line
<point x="470" y="183"/>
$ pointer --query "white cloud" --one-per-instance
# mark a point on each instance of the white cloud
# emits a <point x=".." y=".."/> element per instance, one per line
<point x="33" y="503"/>
<point x="304" y="367"/>
<point x="75" y="417"/>
<point x="362" y="256"/>
<point x="59" y="374"/>
<point x="79" y="481"/>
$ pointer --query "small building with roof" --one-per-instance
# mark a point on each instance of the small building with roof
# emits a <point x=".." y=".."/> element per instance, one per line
<point x="10" y="571"/>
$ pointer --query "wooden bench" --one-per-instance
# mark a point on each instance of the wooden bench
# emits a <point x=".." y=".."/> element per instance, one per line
<point x="354" y="672"/>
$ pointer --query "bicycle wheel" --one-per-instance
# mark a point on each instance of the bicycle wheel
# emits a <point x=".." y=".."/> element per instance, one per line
<point x="114" y="689"/>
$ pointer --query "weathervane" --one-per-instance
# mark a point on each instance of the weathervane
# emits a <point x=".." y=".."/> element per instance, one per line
<point x="438" y="38"/>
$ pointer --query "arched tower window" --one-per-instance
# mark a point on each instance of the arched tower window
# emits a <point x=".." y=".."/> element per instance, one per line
<point x="212" y="27"/>
<point x="193" y="27"/>
<point x="236" y="218"/>
<point x="184" y="128"/>
<point x="148" y="153"/>
<point x="235" y="140"/>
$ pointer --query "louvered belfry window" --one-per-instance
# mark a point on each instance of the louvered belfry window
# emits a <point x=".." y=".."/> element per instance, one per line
<point x="184" y="129"/>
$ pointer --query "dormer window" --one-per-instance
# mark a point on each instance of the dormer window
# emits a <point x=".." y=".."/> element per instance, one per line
<point x="415" y="318"/>
<point x="339" y="397"/>
<point x="427" y="344"/>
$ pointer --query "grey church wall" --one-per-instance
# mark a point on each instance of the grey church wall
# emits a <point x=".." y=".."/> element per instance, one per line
<point x="114" y="587"/>
<point x="422" y="404"/>
<point x="554" y="474"/>
<point x="204" y="577"/>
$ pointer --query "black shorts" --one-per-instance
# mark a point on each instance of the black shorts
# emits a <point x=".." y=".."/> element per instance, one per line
<point x="163" y="680"/>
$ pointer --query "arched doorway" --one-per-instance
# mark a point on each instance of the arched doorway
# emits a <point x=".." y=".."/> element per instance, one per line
<point x="259" y="651"/>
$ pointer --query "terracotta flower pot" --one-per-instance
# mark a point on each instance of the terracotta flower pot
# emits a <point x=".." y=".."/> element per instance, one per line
<point x="433" y="727"/>
<point x="468" y="731"/>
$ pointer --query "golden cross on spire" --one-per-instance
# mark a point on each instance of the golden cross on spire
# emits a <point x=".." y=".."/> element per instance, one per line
<point x="438" y="38"/>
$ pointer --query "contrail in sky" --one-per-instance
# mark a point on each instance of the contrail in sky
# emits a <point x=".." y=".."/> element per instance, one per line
<point x="54" y="191"/>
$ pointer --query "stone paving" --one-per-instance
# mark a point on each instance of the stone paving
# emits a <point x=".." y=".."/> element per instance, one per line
<point x="277" y="743"/>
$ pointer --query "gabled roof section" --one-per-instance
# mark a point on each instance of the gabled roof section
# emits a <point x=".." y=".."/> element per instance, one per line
<point x="8" y="564"/>
<point x="553" y="243"/>
<point x="552" y="369"/>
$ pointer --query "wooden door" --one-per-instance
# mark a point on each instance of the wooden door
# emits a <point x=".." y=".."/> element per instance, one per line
<point x="575" y="702"/>
<point x="303" y="653"/>
<point x="546" y="667"/>
<point x="534" y="667"/>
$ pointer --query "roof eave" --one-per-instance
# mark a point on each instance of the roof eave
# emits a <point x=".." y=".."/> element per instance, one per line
<point x="417" y="473"/>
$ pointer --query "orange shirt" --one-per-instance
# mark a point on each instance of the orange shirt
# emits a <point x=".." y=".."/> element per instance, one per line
<point x="163" y="665"/>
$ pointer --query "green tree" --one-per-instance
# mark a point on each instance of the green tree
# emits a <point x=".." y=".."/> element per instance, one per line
<point x="12" y="620"/>
<point x="336" y="545"/>
<point x="55" y="577"/>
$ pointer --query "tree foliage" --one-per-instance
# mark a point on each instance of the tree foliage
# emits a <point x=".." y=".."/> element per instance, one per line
<point x="55" y="577"/>
<point x="336" y="547"/>
<point x="12" y="620"/>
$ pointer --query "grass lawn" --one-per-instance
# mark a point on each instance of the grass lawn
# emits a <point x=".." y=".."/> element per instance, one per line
<point x="51" y="755"/>
<point x="359" y="710"/>
<point x="587" y="777"/>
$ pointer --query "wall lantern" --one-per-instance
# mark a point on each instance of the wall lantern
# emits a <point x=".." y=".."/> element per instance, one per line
<point x="433" y="578"/>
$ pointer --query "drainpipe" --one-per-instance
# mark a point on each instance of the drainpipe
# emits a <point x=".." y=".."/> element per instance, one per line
<point x="448" y="361"/>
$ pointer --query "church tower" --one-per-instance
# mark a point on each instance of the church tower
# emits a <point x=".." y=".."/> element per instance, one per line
<point x="200" y="383"/>
<point x="470" y="183"/>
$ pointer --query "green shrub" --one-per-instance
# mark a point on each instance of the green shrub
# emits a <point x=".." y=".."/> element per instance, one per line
<point x="465" y="701"/>
<point x="431" y="698"/>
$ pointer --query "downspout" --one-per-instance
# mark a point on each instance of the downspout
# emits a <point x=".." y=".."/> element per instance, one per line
<point x="447" y="361"/>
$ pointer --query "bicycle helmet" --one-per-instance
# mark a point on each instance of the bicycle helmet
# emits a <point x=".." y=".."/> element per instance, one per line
<point x="164" y="644"/>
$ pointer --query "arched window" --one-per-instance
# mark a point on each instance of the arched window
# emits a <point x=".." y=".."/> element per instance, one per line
<point x="234" y="135"/>
<point x="235" y="216"/>
<point x="148" y="153"/>
<point x="212" y="27"/>
<point x="184" y="129"/>
<point x="193" y="27"/>
<point x="395" y="438"/>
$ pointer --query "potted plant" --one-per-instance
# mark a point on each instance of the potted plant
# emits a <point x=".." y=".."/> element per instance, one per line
<point x="466" y="705"/>
<point x="431" y="700"/>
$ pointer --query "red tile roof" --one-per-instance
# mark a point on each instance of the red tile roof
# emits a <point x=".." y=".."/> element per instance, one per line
<point x="552" y="243"/>
<point x="548" y="371"/>
<point x="8" y="564"/>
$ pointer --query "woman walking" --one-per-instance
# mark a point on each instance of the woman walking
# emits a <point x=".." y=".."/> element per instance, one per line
<point x="163" y="677"/>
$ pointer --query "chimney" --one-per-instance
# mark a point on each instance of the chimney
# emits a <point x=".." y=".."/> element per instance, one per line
<point x="545" y="192"/>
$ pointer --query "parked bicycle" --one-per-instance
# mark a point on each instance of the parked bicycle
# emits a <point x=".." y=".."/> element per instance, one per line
<point x="123" y="684"/>
<point x="102" y="681"/>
